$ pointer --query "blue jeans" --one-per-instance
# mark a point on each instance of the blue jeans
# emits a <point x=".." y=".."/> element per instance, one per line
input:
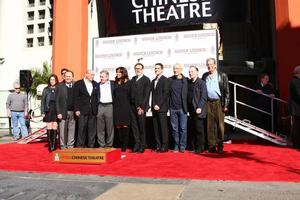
<point x="179" y="128"/>
<point x="16" y="119"/>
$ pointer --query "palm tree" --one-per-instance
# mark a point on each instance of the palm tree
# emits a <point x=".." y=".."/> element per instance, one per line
<point x="39" y="76"/>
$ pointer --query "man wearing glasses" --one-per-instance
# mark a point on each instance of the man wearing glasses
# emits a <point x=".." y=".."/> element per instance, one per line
<point x="16" y="106"/>
<point x="139" y="99"/>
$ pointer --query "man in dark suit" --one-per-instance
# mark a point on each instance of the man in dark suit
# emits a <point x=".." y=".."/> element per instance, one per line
<point x="217" y="104"/>
<point x="65" y="110"/>
<point x="197" y="96"/>
<point x="139" y="99"/>
<point x="294" y="107"/>
<point x="105" y="111"/>
<point x="86" y="107"/>
<point x="159" y="107"/>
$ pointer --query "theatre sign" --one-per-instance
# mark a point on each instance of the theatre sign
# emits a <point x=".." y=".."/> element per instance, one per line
<point x="130" y="14"/>
<point x="162" y="11"/>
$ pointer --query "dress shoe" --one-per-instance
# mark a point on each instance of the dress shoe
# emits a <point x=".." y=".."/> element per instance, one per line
<point x="212" y="150"/>
<point x="220" y="148"/>
<point x="141" y="150"/>
<point x="135" y="149"/>
<point x="163" y="150"/>
<point x="198" y="151"/>
<point x="157" y="150"/>
<point x="123" y="149"/>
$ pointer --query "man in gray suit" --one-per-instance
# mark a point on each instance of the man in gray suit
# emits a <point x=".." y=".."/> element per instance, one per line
<point x="105" y="111"/>
<point x="65" y="111"/>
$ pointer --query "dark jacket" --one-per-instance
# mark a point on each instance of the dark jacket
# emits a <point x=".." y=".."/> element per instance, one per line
<point x="199" y="97"/>
<point x="61" y="99"/>
<point x="45" y="103"/>
<point x="224" y="88"/>
<point x="184" y="92"/>
<point x="160" y="94"/>
<point x="83" y="102"/>
<point x="140" y="92"/>
<point x="294" y="97"/>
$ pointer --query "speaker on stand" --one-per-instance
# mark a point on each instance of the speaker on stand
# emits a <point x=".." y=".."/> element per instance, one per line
<point x="25" y="79"/>
<point x="26" y="82"/>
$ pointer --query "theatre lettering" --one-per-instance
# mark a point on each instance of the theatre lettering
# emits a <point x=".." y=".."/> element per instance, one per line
<point x="164" y="10"/>
<point x="135" y="14"/>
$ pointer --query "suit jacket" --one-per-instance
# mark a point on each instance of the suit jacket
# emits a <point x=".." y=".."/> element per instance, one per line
<point x="83" y="102"/>
<point x="224" y="87"/>
<point x="112" y="87"/>
<point x="294" y="99"/>
<point x="160" y="94"/>
<point x="61" y="99"/>
<point x="183" y="92"/>
<point x="140" y="92"/>
<point x="200" y="97"/>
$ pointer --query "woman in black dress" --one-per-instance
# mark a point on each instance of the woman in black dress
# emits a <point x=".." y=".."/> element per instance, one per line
<point x="122" y="106"/>
<point x="49" y="111"/>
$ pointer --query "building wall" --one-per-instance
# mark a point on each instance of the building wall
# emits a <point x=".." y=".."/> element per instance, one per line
<point x="13" y="46"/>
<point x="287" y="41"/>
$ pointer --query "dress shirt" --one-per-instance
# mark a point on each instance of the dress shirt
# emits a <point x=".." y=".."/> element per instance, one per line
<point x="156" y="80"/>
<point x="212" y="84"/>
<point x="140" y="76"/>
<point x="69" y="85"/>
<point x="89" y="86"/>
<point x="105" y="92"/>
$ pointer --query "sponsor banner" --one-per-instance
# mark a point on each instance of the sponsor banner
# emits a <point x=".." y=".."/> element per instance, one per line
<point x="187" y="48"/>
<point x="130" y="14"/>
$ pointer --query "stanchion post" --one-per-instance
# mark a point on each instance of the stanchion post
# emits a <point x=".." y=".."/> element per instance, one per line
<point x="9" y="125"/>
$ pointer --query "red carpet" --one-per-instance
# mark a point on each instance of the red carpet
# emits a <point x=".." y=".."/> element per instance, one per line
<point x="243" y="162"/>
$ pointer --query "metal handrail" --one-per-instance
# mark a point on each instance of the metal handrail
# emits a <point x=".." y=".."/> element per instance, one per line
<point x="272" y="98"/>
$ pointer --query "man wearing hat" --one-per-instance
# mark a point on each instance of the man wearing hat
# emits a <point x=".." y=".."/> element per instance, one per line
<point x="294" y="107"/>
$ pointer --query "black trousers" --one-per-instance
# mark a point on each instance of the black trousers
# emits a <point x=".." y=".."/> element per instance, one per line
<point x="196" y="132"/>
<point x="296" y="131"/>
<point x="86" y="130"/>
<point x="138" y="128"/>
<point x="161" y="130"/>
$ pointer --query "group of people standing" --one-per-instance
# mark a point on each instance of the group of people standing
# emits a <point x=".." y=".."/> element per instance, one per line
<point x="99" y="110"/>
<point x="103" y="108"/>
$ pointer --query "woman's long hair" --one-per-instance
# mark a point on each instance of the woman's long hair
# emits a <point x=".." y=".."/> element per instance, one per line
<point x="124" y="76"/>
<point x="56" y="80"/>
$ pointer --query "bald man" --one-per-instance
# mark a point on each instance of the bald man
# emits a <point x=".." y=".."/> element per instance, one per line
<point x="86" y="108"/>
<point x="178" y="108"/>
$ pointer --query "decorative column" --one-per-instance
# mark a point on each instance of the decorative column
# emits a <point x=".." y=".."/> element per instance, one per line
<point x="70" y="36"/>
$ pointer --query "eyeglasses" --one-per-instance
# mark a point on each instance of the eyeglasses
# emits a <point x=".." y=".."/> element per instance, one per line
<point x="138" y="68"/>
<point x="17" y="88"/>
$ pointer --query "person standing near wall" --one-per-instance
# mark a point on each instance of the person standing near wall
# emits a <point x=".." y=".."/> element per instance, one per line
<point x="48" y="110"/>
<point x="197" y="96"/>
<point x="294" y="106"/>
<point x="139" y="100"/>
<point x="86" y="108"/>
<point x="65" y="111"/>
<point x="16" y="106"/>
<point x="105" y="121"/>
<point x="217" y="104"/>
<point x="121" y="106"/>
<point x="178" y="108"/>
<point x="160" y="88"/>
